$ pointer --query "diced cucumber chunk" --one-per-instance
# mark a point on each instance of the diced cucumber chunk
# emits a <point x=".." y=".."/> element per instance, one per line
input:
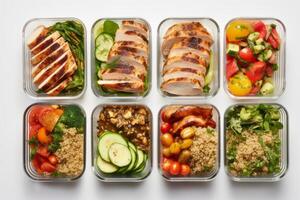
<point x="106" y="141"/>
<point x="253" y="36"/>
<point x="258" y="48"/>
<point x="106" y="167"/>
<point x="119" y="155"/>
<point x="267" y="88"/>
<point x="232" y="49"/>
<point x="103" y="44"/>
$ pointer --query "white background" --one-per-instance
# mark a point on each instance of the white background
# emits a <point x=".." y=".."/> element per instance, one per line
<point x="14" y="184"/>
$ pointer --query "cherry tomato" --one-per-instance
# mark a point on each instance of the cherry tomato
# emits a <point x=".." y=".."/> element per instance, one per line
<point x="274" y="39"/>
<point x="175" y="168"/>
<point x="247" y="55"/>
<point x="238" y="30"/>
<point x="47" y="167"/>
<point x="43" y="151"/>
<point x="42" y="136"/>
<point x="34" y="114"/>
<point x="231" y="68"/>
<point x="256" y="71"/>
<point x="33" y="130"/>
<point x="255" y="89"/>
<point x="165" y="127"/>
<point x="166" y="165"/>
<point x="53" y="159"/>
<point x="175" y="148"/>
<point x="260" y="27"/>
<point x="166" y="139"/>
<point x="239" y="85"/>
<point x="36" y="164"/>
<point x="269" y="70"/>
<point x="185" y="170"/>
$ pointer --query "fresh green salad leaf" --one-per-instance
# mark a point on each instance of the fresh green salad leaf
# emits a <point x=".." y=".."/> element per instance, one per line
<point x="110" y="27"/>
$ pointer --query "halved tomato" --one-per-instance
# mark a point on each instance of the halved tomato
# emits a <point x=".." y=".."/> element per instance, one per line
<point x="247" y="55"/>
<point x="47" y="167"/>
<point x="33" y="130"/>
<point x="274" y="39"/>
<point x="231" y="69"/>
<point x="34" y="114"/>
<point x="43" y="151"/>
<point x="255" y="89"/>
<point x="269" y="70"/>
<point x="36" y="164"/>
<point x="260" y="27"/>
<point x="256" y="71"/>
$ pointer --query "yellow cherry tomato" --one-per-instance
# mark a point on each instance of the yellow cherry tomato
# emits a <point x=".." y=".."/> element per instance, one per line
<point x="239" y="85"/>
<point x="238" y="30"/>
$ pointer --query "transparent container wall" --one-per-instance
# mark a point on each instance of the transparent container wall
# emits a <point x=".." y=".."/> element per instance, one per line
<point x="279" y="78"/>
<point x="29" y="170"/>
<point x="213" y="28"/>
<point x="284" y="152"/>
<point x="118" y="177"/>
<point x="94" y="77"/>
<point x="28" y="85"/>
<point x="203" y="177"/>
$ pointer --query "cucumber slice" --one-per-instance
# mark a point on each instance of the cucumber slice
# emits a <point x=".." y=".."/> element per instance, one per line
<point x="106" y="167"/>
<point x="140" y="159"/>
<point x="119" y="155"/>
<point x="143" y="165"/>
<point x="130" y="144"/>
<point x="106" y="141"/>
<point x="98" y="28"/>
<point x="210" y="74"/>
<point x="133" y="160"/>
<point x="103" y="44"/>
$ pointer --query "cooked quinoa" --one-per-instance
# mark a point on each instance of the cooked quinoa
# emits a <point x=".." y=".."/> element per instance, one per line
<point x="204" y="150"/>
<point x="71" y="152"/>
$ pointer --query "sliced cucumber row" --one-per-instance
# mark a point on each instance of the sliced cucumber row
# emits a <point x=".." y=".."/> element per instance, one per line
<point x="117" y="155"/>
<point x="103" y="44"/>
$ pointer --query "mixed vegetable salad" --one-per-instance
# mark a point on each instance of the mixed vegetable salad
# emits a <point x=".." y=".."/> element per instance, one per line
<point x="253" y="140"/>
<point x="121" y="57"/>
<point x="252" y="49"/>
<point x="124" y="144"/>
<point x="188" y="141"/>
<point x="57" y="58"/>
<point x="56" y="140"/>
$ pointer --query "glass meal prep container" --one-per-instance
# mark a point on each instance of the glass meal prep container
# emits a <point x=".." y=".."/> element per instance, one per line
<point x="188" y="142"/>
<point x="54" y="58"/>
<point x="122" y="142"/>
<point x="254" y="58"/>
<point x="54" y="142"/>
<point x="256" y="142"/>
<point x="121" y="58"/>
<point x="188" y="58"/>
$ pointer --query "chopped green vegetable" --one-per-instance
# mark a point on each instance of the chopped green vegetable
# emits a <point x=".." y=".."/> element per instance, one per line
<point x="267" y="88"/>
<point x="110" y="27"/>
<point x="72" y="117"/>
<point x="232" y="49"/>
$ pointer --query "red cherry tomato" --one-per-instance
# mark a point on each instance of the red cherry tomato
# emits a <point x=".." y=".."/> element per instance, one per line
<point x="34" y="114"/>
<point x="47" y="167"/>
<point x="36" y="164"/>
<point x="247" y="55"/>
<point x="175" y="168"/>
<point x="260" y="27"/>
<point x="166" y="165"/>
<point x="256" y="71"/>
<point x="165" y="127"/>
<point x="185" y="170"/>
<point x="33" y="130"/>
<point x="269" y="70"/>
<point x="274" y="39"/>
<point x="43" y="151"/>
<point x="53" y="159"/>
<point x="231" y="69"/>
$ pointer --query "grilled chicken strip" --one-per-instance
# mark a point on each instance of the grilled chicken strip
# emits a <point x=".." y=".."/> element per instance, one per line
<point x="37" y="36"/>
<point x="138" y="49"/>
<point x="176" y="113"/>
<point x="124" y="34"/>
<point x="136" y="26"/>
<point x="180" y="74"/>
<point x="187" y="121"/>
<point x="123" y="86"/>
<point x="127" y="57"/>
<point x="182" y="86"/>
<point x="45" y="43"/>
<point x="122" y="72"/>
<point x="60" y="87"/>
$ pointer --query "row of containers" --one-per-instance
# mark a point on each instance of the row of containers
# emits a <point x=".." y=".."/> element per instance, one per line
<point x="189" y="138"/>
<point x="188" y="64"/>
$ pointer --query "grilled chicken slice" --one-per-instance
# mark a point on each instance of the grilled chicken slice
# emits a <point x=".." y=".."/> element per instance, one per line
<point x="182" y="86"/>
<point x="187" y="121"/>
<point x="50" y="59"/>
<point x="60" y="87"/>
<point x="138" y="49"/>
<point x="188" y="60"/>
<point x="183" y="31"/>
<point x="193" y="43"/>
<point x="37" y="36"/>
<point x="176" y="113"/>
<point x="124" y="34"/>
<point x="45" y="43"/>
<point x="43" y="74"/>
<point x="67" y="68"/>
<point x="123" y="86"/>
<point x="127" y="57"/>
<point x="136" y="26"/>
<point x="179" y="74"/>
<point x="122" y="72"/>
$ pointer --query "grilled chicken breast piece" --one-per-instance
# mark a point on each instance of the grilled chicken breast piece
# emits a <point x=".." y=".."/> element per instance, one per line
<point x="122" y="72"/>
<point x="37" y="36"/>
<point x="45" y="43"/>
<point x="50" y="58"/>
<point x="127" y="57"/>
<point x="59" y="88"/>
<point x="179" y="74"/>
<point x="138" y="49"/>
<point x="182" y="86"/>
<point x="123" y="86"/>
<point x="124" y="34"/>
<point x="136" y="26"/>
